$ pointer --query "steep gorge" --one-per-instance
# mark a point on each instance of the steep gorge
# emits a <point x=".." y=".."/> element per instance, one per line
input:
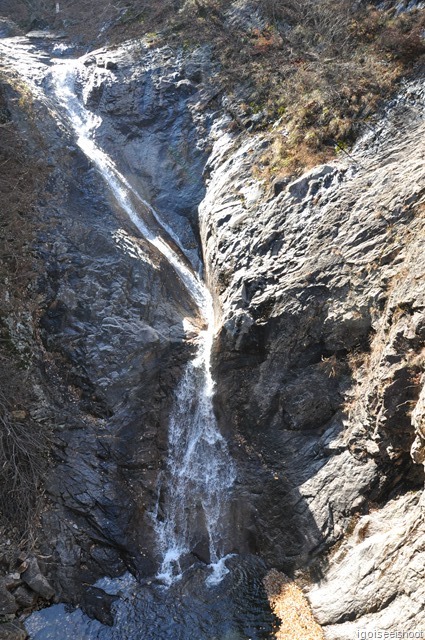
<point x="318" y="358"/>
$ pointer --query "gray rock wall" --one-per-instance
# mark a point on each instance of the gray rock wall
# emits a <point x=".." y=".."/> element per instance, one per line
<point x="318" y="356"/>
<point x="109" y="343"/>
<point x="154" y="126"/>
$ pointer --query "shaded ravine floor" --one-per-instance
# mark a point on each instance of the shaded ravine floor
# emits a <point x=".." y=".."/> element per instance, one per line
<point x="235" y="609"/>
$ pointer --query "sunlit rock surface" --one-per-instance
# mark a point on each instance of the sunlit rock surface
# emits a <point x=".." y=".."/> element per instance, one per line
<point x="381" y="565"/>
<point x="319" y="351"/>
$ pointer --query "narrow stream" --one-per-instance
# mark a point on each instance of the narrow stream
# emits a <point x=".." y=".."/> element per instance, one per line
<point x="194" y="489"/>
<point x="199" y="474"/>
<point x="221" y="597"/>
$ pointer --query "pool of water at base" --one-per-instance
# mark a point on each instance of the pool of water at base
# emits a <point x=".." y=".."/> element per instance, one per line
<point x="235" y="609"/>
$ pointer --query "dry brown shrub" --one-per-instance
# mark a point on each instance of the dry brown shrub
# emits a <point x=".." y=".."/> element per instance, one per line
<point x="404" y="45"/>
<point x="24" y="448"/>
<point x="290" y="605"/>
<point x="341" y="62"/>
<point x="24" y="444"/>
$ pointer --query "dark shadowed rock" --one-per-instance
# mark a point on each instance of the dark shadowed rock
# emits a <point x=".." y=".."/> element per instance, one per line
<point x="8" y="603"/>
<point x="97" y="604"/>
<point x="25" y="598"/>
<point x="13" y="631"/>
<point x="280" y="185"/>
<point x="8" y="28"/>
<point x="33" y="577"/>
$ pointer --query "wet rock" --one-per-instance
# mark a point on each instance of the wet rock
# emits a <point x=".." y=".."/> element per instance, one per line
<point x="8" y="28"/>
<point x="202" y="552"/>
<point x="97" y="604"/>
<point x="111" y="65"/>
<point x="106" y="63"/>
<point x="108" y="559"/>
<point x="89" y="60"/>
<point x="145" y="108"/>
<point x="40" y="31"/>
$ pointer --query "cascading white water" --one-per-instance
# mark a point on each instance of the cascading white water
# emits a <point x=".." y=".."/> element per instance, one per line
<point x="84" y="123"/>
<point x="199" y="471"/>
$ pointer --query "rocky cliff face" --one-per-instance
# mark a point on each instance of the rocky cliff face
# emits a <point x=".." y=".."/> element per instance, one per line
<point x="318" y="358"/>
<point x="319" y="361"/>
<point x="108" y="340"/>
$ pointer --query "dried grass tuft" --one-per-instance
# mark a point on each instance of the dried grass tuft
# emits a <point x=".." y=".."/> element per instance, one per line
<point x="291" y="607"/>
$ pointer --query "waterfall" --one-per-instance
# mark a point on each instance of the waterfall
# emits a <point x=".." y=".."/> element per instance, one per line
<point x="194" y="486"/>
<point x="84" y="124"/>
<point x="199" y="470"/>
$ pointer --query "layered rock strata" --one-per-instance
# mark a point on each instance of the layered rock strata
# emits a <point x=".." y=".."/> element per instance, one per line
<point x="319" y="353"/>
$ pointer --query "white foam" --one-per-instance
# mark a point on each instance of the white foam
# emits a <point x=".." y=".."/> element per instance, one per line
<point x="199" y="471"/>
